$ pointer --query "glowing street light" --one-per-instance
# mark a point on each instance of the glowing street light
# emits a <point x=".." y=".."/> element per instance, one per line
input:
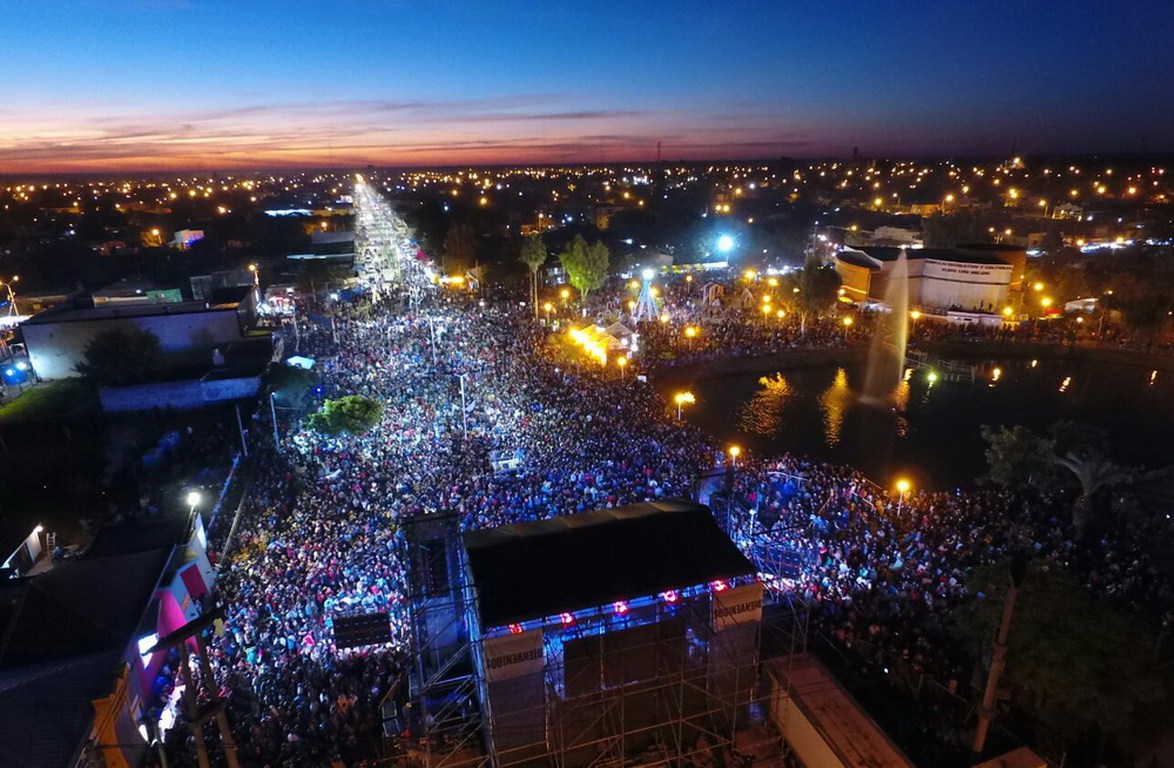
<point x="622" y="362"/>
<point x="903" y="487"/>
<point x="725" y="244"/>
<point x="847" y="322"/>
<point x="682" y="399"/>
<point x="548" y="307"/>
<point x="690" y="331"/>
<point x="914" y="316"/>
<point x="256" y="275"/>
<point x="735" y="451"/>
<point x="8" y="285"/>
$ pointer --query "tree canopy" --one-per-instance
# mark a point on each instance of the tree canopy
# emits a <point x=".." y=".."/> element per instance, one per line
<point x="586" y="265"/>
<point x="814" y="289"/>
<point x="1073" y="660"/>
<point x="1018" y="457"/>
<point x="121" y="356"/>
<point x="460" y="248"/>
<point x="354" y="414"/>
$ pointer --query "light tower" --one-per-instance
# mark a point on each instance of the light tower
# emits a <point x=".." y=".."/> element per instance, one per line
<point x="646" y="308"/>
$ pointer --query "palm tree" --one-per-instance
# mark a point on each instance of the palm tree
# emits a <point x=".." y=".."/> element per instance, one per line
<point x="533" y="256"/>
<point x="1093" y="472"/>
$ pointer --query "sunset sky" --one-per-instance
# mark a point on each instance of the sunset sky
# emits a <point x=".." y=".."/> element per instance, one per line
<point x="220" y="84"/>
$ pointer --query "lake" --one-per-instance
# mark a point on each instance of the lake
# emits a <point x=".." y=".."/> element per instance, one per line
<point x="930" y="431"/>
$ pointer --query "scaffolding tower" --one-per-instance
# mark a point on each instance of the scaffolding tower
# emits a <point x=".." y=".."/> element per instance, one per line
<point x="441" y="718"/>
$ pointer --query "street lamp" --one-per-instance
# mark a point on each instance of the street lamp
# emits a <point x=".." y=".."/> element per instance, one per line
<point x="193" y="499"/>
<point x="256" y="275"/>
<point x="682" y="399"/>
<point x="548" y="307"/>
<point x="622" y="362"/>
<point x="902" y="488"/>
<point x="735" y="451"/>
<point x="565" y="293"/>
<point x="11" y="294"/>
<point x="914" y="316"/>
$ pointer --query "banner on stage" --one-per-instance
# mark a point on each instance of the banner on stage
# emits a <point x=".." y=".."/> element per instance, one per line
<point x="512" y="656"/>
<point x="740" y="605"/>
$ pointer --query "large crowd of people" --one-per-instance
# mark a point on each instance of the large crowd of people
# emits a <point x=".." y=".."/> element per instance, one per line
<point x="320" y="534"/>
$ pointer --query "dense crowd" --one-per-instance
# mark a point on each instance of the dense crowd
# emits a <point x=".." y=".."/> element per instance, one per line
<point x="320" y="538"/>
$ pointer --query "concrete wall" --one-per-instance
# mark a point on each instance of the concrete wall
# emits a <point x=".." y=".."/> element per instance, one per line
<point x="945" y="284"/>
<point x="177" y="395"/>
<point x="55" y="348"/>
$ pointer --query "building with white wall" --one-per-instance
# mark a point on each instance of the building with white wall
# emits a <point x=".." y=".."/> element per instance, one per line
<point x="939" y="278"/>
<point x="188" y="331"/>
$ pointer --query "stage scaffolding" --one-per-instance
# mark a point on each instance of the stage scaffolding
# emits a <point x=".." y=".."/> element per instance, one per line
<point x="655" y="684"/>
<point x="653" y="679"/>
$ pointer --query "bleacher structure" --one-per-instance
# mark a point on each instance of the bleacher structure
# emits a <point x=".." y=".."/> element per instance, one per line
<point x="597" y="639"/>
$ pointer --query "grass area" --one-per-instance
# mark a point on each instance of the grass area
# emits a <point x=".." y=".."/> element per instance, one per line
<point x="53" y="401"/>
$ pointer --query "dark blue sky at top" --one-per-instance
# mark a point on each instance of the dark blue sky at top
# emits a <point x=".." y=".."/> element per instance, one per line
<point x="161" y="83"/>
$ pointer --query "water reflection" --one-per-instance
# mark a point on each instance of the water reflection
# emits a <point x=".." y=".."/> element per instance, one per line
<point x="763" y="414"/>
<point x="900" y="403"/>
<point x="819" y="413"/>
<point x="834" y="402"/>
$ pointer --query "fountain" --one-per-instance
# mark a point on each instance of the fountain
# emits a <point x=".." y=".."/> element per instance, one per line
<point x="886" y="351"/>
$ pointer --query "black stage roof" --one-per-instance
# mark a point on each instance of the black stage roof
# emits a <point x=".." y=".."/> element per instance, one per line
<point x="531" y="570"/>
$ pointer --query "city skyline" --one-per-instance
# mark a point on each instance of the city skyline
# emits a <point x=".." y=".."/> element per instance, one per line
<point x="183" y="84"/>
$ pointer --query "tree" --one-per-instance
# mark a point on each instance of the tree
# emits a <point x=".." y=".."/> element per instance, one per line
<point x="948" y="230"/>
<point x="815" y="289"/>
<point x="1093" y="472"/>
<point x="586" y="265"/>
<point x="460" y="249"/>
<point x="1017" y="457"/>
<point x="316" y="277"/>
<point x="120" y="356"/>
<point x="354" y="414"/>
<point x="1071" y="659"/>
<point x="533" y="256"/>
<point x="1145" y="315"/>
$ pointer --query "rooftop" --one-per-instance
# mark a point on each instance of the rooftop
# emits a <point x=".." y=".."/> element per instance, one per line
<point x="854" y="737"/>
<point x="531" y="570"/>
<point x="80" y="310"/>
<point x="887" y="253"/>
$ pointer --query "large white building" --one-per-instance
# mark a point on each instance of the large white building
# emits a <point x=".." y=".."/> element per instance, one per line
<point x="188" y="331"/>
<point x="966" y="278"/>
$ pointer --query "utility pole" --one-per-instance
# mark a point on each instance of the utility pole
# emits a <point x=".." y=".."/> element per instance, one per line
<point x="986" y="712"/>
<point x="240" y="427"/>
<point x="432" y="330"/>
<point x="273" y="413"/>
<point x="464" y="411"/>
